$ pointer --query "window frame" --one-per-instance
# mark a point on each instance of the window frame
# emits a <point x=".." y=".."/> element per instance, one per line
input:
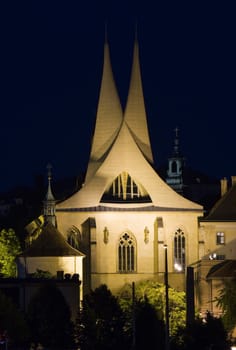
<point x="179" y="250"/>
<point x="126" y="253"/>
<point x="220" y="238"/>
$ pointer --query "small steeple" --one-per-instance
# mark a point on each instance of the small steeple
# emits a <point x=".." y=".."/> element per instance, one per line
<point x="49" y="204"/>
<point x="175" y="166"/>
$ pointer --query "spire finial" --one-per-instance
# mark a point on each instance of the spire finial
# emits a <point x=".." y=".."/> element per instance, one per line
<point x="49" y="195"/>
<point x="176" y="132"/>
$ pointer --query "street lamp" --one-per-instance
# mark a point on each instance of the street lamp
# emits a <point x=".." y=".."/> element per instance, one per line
<point x="167" y="299"/>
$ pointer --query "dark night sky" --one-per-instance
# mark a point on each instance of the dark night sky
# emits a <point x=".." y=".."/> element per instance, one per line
<point x="51" y="68"/>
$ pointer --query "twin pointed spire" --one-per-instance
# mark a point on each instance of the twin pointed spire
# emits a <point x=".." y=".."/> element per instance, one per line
<point x="110" y="116"/>
<point x="120" y="164"/>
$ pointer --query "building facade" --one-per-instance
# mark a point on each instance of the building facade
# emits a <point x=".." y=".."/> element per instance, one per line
<point x="125" y="213"/>
<point x="217" y="247"/>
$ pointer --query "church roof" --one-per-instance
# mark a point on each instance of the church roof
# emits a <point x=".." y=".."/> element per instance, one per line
<point x="50" y="243"/>
<point x="225" y="269"/>
<point x="121" y="144"/>
<point x="225" y="207"/>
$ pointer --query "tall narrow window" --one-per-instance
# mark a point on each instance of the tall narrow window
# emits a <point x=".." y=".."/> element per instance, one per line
<point x="179" y="251"/>
<point x="220" y="238"/>
<point x="126" y="253"/>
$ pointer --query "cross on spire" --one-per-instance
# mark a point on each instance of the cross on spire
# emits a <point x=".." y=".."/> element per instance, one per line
<point x="176" y="130"/>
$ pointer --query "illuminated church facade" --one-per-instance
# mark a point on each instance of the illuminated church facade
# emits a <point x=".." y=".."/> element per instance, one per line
<point x="126" y="220"/>
<point x="125" y="214"/>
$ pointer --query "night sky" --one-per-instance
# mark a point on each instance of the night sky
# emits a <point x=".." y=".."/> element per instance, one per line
<point x="52" y="55"/>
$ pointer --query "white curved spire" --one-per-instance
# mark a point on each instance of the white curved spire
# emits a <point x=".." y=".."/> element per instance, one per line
<point x="108" y="119"/>
<point x="135" y="113"/>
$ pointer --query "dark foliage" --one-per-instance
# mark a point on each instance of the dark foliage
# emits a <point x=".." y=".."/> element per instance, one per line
<point x="100" y="323"/>
<point x="12" y="322"/>
<point x="203" y="334"/>
<point x="49" y="319"/>
<point x="149" y="330"/>
<point x="227" y="302"/>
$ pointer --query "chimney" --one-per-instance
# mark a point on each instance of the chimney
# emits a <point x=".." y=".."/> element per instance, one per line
<point x="233" y="180"/>
<point x="224" y="186"/>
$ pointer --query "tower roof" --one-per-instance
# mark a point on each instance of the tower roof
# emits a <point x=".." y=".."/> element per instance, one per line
<point x="50" y="243"/>
<point x="121" y="145"/>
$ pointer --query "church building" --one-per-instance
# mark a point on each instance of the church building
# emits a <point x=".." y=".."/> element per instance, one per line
<point x="125" y="215"/>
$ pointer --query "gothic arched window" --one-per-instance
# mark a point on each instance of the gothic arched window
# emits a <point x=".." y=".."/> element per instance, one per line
<point x="126" y="253"/>
<point x="179" y="251"/>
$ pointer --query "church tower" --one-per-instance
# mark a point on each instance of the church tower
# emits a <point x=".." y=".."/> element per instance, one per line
<point x="175" y="166"/>
<point x="124" y="212"/>
<point x="47" y="249"/>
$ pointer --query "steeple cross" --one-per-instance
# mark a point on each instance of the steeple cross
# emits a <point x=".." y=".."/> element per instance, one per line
<point x="176" y="130"/>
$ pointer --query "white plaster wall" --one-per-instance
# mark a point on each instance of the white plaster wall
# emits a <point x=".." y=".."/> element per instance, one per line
<point x="69" y="265"/>
<point x="148" y="254"/>
<point x="209" y="230"/>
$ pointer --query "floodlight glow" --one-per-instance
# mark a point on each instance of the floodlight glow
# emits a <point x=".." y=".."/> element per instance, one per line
<point x="178" y="267"/>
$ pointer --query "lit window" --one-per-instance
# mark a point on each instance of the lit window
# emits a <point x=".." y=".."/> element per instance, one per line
<point x="126" y="253"/>
<point x="179" y="251"/>
<point x="220" y="238"/>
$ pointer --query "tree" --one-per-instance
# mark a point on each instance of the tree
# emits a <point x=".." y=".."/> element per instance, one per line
<point x="100" y="323"/>
<point x="155" y="294"/>
<point x="12" y="321"/>
<point x="208" y="333"/>
<point x="227" y="302"/>
<point x="149" y="330"/>
<point x="49" y="318"/>
<point x="9" y="249"/>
